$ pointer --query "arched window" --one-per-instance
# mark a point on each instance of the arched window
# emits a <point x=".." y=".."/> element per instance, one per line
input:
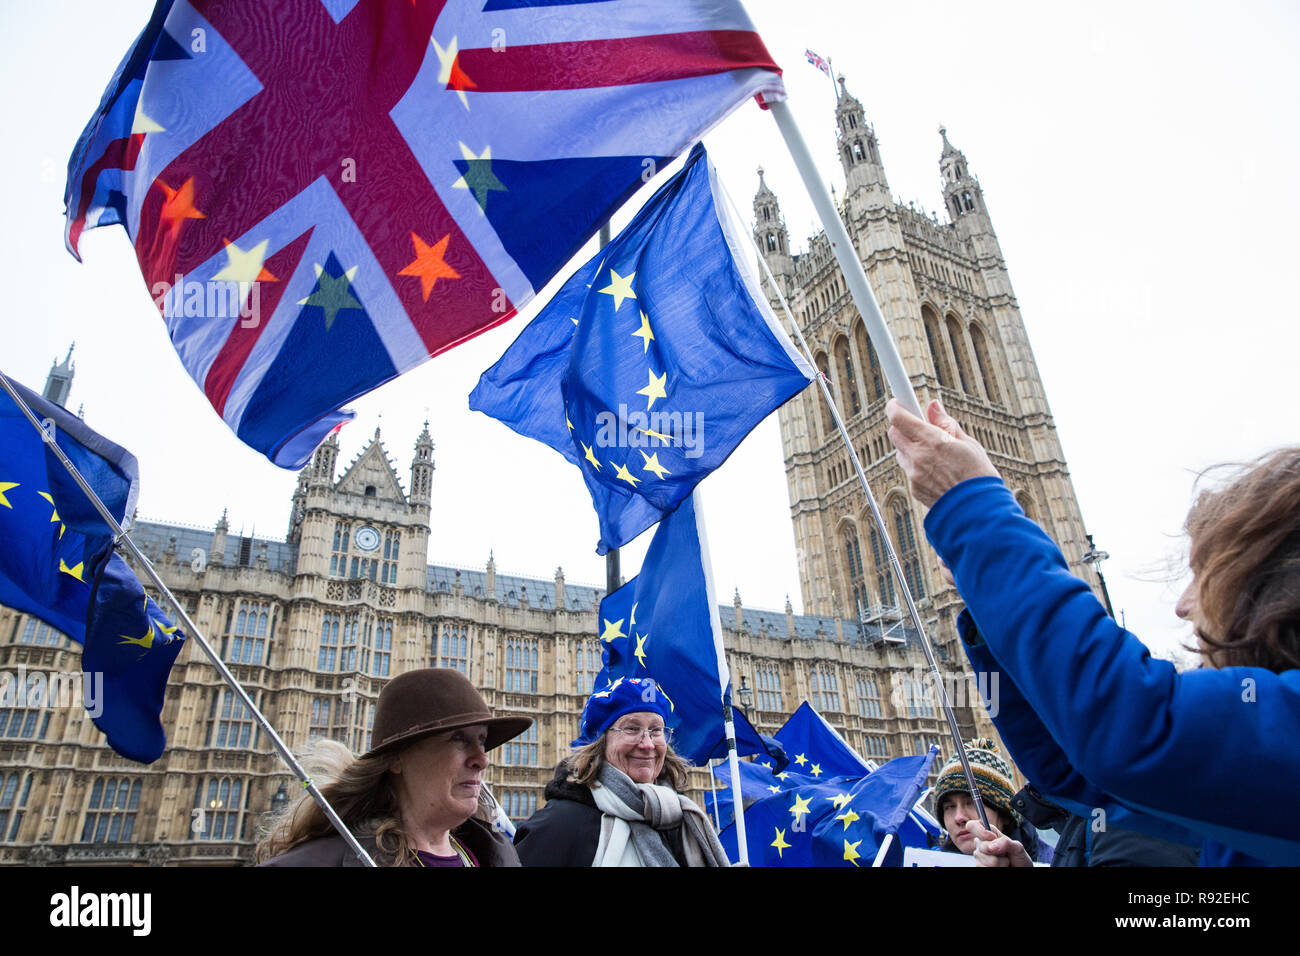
<point x="963" y="360"/>
<point x="905" y="542"/>
<point x="13" y="802"/>
<point x="825" y="686"/>
<point x="986" y="367"/>
<point x="858" y="154"/>
<point x="848" y="382"/>
<point x="968" y="202"/>
<point x="884" y="577"/>
<point x="587" y="665"/>
<point x="1026" y="505"/>
<point x="875" y="383"/>
<point x="938" y="353"/>
<point x="768" y="679"/>
<point x="828" y="423"/>
<point x="521" y="665"/>
<point x="220" y="809"/>
<point x="857" y="580"/>
<point x="771" y="242"/>
<point x="110" y="812"/>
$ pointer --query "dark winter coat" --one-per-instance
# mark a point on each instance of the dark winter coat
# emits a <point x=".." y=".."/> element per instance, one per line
<point x="1112" y="846"/>
<point x="489" y="846"/>
<point x="566" y="831"/>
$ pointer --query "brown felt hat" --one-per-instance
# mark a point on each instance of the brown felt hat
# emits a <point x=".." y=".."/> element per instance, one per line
<point x="433" y="700"/>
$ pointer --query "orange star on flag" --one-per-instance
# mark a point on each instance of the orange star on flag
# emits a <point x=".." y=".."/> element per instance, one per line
<point x="458" y="79"/>
<point x="178" y="206"/>
<point x="429" y="264"/>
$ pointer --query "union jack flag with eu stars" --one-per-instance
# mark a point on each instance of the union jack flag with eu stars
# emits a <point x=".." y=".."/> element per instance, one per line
<point x="322" y="194"/>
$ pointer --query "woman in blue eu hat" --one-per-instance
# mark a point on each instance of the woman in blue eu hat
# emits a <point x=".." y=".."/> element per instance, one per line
<point x="615" y="800"/>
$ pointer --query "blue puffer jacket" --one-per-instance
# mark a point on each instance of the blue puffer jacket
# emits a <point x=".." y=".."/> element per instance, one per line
<point x="1209" y="756"/>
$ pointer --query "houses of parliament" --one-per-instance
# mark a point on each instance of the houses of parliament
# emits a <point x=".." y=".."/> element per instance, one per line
<point x="313" y="625"/>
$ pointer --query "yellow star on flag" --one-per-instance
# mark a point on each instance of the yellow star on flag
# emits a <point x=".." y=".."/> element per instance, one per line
<point x="851" y="852"/>
<point x="800" y="807"/>
<point x="76" y="570"/>
<point x="612" y="631"/>
<point x="625" y="475"/>
<point x="839" y="800"/>
<point x="816" y="770"/>
<point x="767" y="764"/>
<point x="448" y="67"/>
<point x="653" y="390"/>
<point x="639" y="653"/>
<point x="800" y="759"/>
<point x="568" y="423"/>
<point x="619" y="287"/>
<point x="591" y="455"/>
<point x="652" y="464"/>
<point x="54" y="517"/>
<point x="142" y="123"/>
<point x="644" y="333"/>
<point x="245" y="265"/>
<point x="654" y="434"/>
<point x="145" y="640"/>
<point x="848" y="816"/>
<point x="775" y="789"/>
<point x="429" y="263"/>
<point x="782" y="775"/>
<point x="780" y="844"/>
<point x="6" y="486"/>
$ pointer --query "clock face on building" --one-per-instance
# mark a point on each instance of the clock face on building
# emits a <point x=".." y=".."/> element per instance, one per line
<point x="367" y="538"/>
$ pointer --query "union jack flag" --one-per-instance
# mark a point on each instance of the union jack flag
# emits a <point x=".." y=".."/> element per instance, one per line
<point x="818" y="61"/>
<point x="322" y="194"/>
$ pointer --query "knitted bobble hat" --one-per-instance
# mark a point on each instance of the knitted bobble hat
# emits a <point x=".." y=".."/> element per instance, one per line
<point x="993" y="775"/>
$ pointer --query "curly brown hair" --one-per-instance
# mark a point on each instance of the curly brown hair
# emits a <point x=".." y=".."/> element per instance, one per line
<point x="362" y="793"/>
<point x="1245" y="554"/>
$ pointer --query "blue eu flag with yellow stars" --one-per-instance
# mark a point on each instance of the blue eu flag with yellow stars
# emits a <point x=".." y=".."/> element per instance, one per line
<point x="654" y="360"/>
<point x="57" y="563"/>
<point x="840" y="822"/>
<point x="661" y="625"/>
<point x="816" y="748"/>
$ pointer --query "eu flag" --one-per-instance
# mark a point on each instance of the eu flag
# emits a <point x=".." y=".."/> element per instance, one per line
<point x="324" y="193"/>
<point x="57" y="563"/>
<point x="817" y="749"/>
<point x="661" y="624"/>
<point x="842" y="822"/>
<point x="654" y="360"/>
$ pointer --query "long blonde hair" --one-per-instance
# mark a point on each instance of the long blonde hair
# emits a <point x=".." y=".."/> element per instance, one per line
<point x="361" y="791"/>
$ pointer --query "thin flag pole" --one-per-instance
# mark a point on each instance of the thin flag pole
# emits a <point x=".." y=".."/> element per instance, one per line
<point x="191" y="629"/>
<point x="713" y="784"/>
<point x="884" y="848"/>
<point x="724" y="680"/>
<point x="894" y="564"/>
<point x="890" y="361"/>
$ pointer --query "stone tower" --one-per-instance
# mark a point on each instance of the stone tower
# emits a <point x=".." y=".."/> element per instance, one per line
<point x="58" y="383"/>
<point x="943" y="288"/>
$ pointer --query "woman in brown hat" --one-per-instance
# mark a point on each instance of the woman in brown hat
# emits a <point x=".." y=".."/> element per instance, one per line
<point x="417" y="798"/>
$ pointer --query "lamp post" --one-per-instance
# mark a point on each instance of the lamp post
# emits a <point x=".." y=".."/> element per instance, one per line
<point x="1094" y="557"/>
<point x="746" y="695"/>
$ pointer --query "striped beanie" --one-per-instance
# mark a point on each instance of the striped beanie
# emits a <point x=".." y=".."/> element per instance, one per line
<point x="993" y="776"/>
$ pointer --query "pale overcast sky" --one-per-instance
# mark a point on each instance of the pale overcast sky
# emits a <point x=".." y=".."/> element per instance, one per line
<point x="1138" y="162"/>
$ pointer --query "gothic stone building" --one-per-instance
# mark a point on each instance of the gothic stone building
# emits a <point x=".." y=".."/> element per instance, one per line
<point x="943" y="288"/>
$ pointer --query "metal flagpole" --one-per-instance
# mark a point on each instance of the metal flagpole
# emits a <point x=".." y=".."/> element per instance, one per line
<point x="191" y="629"/>
<point x="724" y="681"/>
<point x="890" y="361"/>
<point x="884" y="344"/>
<point x="713" y="784"/>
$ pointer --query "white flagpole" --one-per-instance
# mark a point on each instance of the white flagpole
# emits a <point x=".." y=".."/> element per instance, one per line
<point x="191" y="629"/>
<point x="890" y="361"/>
<point x="884" y="848"/>
<point x="884" y="346"/>
<point x="713" y="784"/>
<point x="724" y="679"/>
